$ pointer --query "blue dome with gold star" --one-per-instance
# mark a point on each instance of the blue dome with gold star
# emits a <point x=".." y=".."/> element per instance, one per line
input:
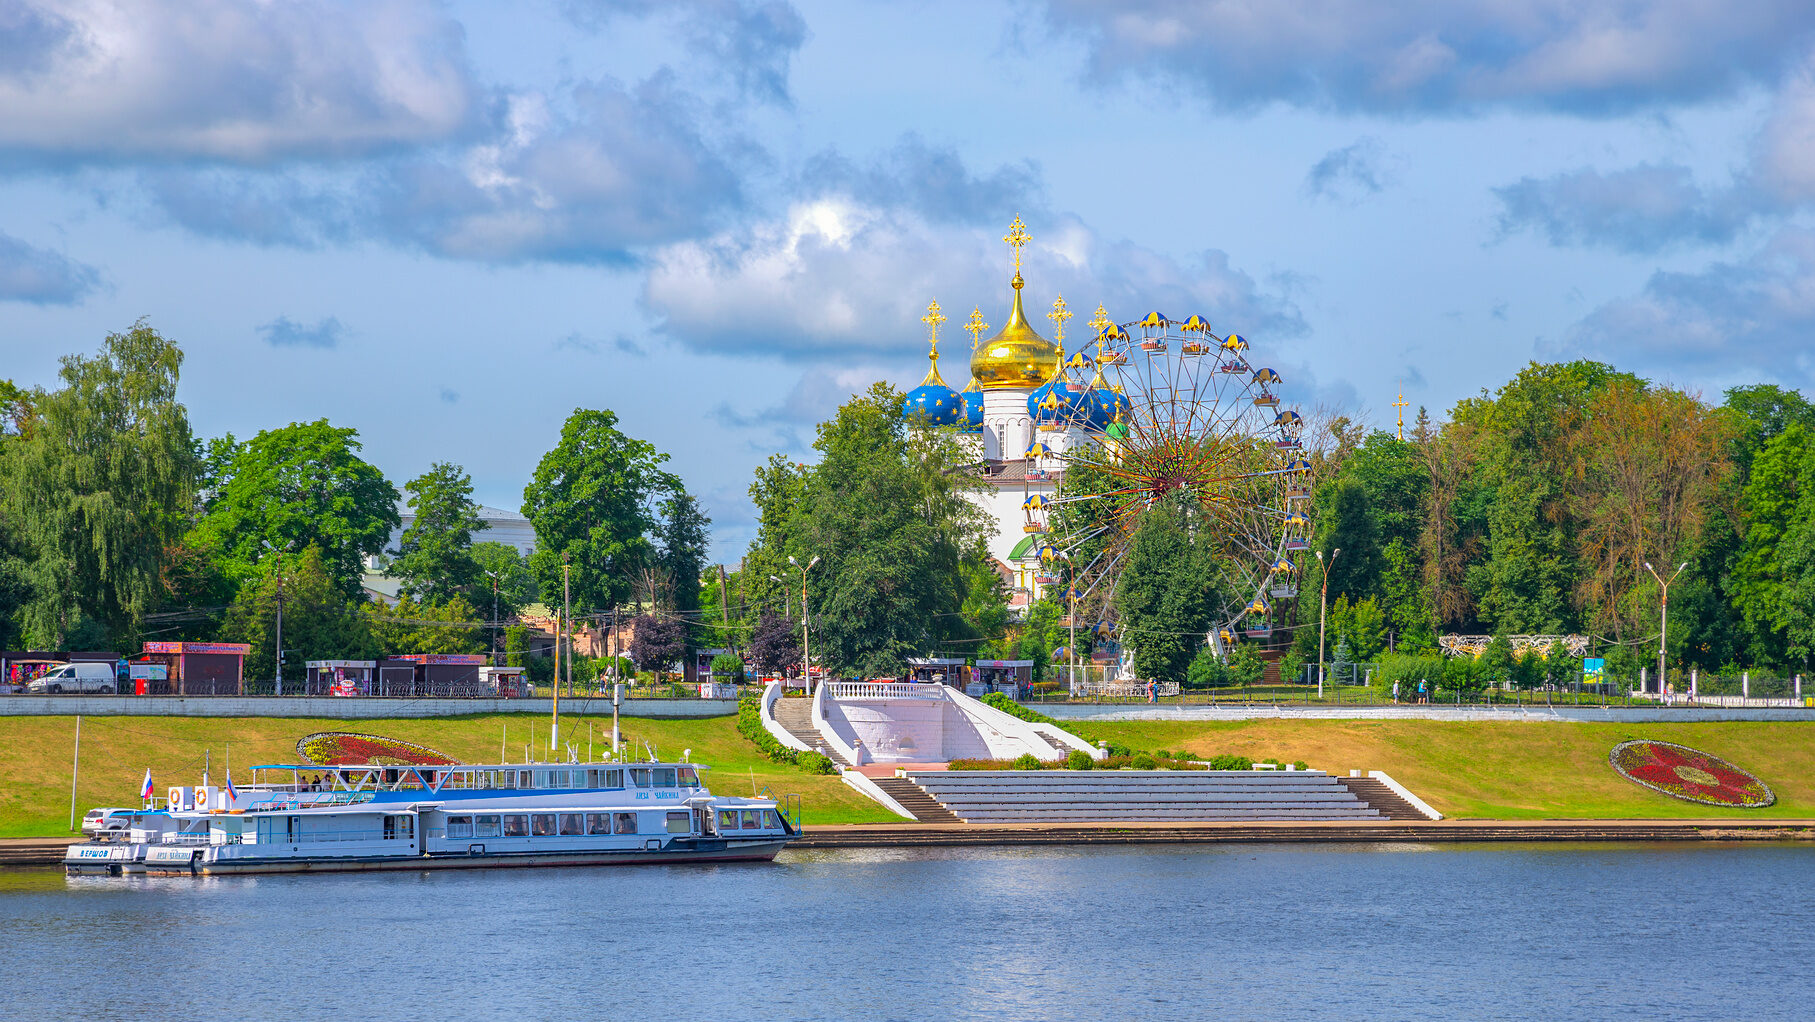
<point x="972" y="396"/>
<point x="933" y="402"/>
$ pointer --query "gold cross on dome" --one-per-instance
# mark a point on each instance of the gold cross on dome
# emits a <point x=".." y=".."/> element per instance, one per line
<point x="1059" y="315"/>
<point x="976" y="326"/>
<point x="1401" y="405"/>
<point x="1098" y="322"/>
<point x="1017" y="237"/>
<point x="932" y="319"/>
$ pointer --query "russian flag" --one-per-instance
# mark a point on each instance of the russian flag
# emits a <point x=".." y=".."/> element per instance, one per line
<point x="232" y="795"/>
<point x="145" y="789"/>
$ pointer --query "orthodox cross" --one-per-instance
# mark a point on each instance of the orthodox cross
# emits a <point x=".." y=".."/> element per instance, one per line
<point x="976" y="326"/>
<point x="1017" y="237"/>
<point x="1059" y="315"/>
<point x="932" y="319"/>
<point x="1098" y="322"/>
<point x="1401" y="405"/>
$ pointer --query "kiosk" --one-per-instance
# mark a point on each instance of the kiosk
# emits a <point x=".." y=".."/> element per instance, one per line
<point x="201" y="668"/>
<point x="341" y="677"/>
<point x="1010" y="677"/>
<point x="937" y="670"/>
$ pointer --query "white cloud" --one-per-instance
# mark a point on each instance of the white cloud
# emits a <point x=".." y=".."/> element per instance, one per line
<point x="225" y="80"/>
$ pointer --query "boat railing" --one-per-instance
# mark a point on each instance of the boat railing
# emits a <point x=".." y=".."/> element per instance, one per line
<point x="310" y="800"/>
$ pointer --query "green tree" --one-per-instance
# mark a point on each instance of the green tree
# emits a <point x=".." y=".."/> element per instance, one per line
<point x="298" y="486"/>
<point x="98" y="485"/>
<point x="320" y="623"/>
<point x="1165" y="598"/>
<point x="592" y="500"/>
<point x="453" y="626"/>
<point x="500" y="564"/>
<point x="683" y="536"/>
<point x="886" y="513"/>
<point x="434" y="555"/>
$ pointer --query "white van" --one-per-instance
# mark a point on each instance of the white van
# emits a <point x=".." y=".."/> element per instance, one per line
<point x="89" y="677"/>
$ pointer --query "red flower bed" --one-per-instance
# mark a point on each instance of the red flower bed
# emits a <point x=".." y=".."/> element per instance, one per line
<point x="1682" y="772"/>
<point x="342" y="748"/>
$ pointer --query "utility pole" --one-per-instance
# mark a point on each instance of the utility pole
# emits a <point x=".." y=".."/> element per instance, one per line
<point x="560" y="628"/>
<point x="724" y="607"/>
<point x="1323" y="606"/>
<point x="280" y="624"/>
<point x="496" y="660"/>
<point x="806" y="648"/>
<point x="1663" y="616"/>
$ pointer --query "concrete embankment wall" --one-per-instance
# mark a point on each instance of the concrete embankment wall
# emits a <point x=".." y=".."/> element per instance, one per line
<point x="366" y="708"/>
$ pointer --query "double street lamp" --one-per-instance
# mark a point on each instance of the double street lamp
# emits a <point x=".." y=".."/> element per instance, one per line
<point x="1663" y="615"/>
<point x="806" y="650"/>
<point x="1323" y="606"/>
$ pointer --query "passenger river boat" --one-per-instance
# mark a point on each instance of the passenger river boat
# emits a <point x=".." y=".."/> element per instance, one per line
<point x="343" y="818"/>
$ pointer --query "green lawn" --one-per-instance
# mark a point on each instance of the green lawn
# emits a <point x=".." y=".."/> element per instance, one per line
<point x="35" y="757"/>
<point x="1502" y="770"/>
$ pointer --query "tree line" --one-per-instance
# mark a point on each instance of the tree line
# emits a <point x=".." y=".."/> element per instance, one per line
<point x="118" y="524"/>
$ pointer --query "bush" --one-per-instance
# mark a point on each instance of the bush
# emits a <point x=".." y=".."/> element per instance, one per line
<point x="1027" y="761"/>
<point x="1206" y="671"/>
<point x="727" y="665"/>
<point x="1230" y="763"/>
<point x="1078" y="759"/>
<point x="750" y="725"/>
<point x="1143" y="761"/>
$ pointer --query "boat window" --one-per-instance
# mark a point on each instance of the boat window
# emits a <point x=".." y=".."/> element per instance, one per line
<point x="561" y="779"/>
<point x="690" y="778"/>
<point x="523" y="779"/>
<point x="598" y="823"/>
<point x="770" y="820"/>
<point x="397" y="828"/>
<point x="614" y="778"/>
<point x="572" y="823"/>
<point x="485" y="826"/>
<point x="753" y="819"/>
<point x="459" y="826"/>
<point x="664" y="777"/>
<point x="727" y="819"/>
<point x="680" y="823"/>
<point x="639" y="776"/>
<point x="592" y="778"/>
<point x="624" y="823"/>
<point x="516" y="825"/>
<point x="542" y="825"/>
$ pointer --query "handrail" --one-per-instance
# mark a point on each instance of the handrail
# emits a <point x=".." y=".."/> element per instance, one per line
<point x="826" y="730"/>
<point x="885" y="690"/>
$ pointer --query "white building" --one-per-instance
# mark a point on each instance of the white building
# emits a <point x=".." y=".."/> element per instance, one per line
<point x="502" y="526"/>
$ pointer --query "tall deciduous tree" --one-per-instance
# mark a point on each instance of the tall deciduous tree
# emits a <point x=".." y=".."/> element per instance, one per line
<point x="320" y="622"/>
<point x="1165" y="598"/>
<point x="682" y="555"/>
<point x="658" y="642"/>
<point x="516" y="586"/>
<point x="98" y="484"/>
<point x="775" y="644"/>
<point x="434" y="555"/>
<point x="593" y="499"/>
<point x="298" y="486"/>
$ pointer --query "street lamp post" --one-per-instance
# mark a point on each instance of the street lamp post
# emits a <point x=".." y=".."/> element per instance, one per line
<point x="787" y="596"/>
<point x="1323" y="606"/>
<point x="494" y="577"/>
<point x="1663" y="615"/>
<point x="280" y="617"/>
<point x="806" y="648"/>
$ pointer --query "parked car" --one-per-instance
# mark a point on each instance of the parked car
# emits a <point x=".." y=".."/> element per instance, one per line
<point x="82" y="677"/>
<point x="107" y="821"/>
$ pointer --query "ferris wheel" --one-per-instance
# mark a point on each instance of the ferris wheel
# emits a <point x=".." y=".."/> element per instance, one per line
<point x="1166" y="410"/>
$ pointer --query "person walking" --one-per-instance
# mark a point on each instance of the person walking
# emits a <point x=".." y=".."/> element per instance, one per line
<point x="1423" y="691"/>
<point x="1395" y="690"/>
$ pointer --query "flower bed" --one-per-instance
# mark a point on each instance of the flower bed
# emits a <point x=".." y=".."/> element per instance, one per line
<point x="1682" y="772"/>
<point x="344" y="748"/>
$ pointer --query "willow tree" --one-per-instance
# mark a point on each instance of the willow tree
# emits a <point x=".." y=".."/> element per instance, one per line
<point x="100" y="485"/>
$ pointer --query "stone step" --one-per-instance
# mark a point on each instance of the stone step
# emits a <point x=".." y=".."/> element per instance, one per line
<point x="796" y="717"/>
<point x="1375" y="793"/>
<point x="915" y="800"/>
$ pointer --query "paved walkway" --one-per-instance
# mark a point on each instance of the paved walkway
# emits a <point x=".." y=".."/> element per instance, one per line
<point x="1265" y="711"/>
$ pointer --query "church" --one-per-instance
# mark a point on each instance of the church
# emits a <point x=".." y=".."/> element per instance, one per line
<point x="1020" y="413"/>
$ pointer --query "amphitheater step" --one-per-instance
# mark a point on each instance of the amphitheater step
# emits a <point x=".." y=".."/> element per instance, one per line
<point x="796" y="717"/>
<point x="1158" y="795"/>
<point x="914" y="799"/>
<point x="1375" y="793"/>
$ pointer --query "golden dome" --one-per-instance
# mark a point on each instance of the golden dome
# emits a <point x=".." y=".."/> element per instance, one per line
<point x="1017" y="358"/>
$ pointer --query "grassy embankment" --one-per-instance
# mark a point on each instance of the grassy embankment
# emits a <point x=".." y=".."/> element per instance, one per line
<point x="1503" y="769"/>
<point x="1493" y="770"/>
<point x="35" y="757"/>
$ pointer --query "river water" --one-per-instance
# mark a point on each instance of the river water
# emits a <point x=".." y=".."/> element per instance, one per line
<point x="1224" y="932"/>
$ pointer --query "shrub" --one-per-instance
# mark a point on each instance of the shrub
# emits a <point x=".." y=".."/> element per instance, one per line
<point x="1227" y="762"/>
<point x="1143" y="761"/>
<point x="1026" y="761"/>
<point x="750" y="725"/>
<point x="727" y="665"/>
<point x="1078" y="759"/>
<point x="980" y="764"/>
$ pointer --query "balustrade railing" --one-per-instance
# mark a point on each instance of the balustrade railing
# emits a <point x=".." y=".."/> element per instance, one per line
<point x="884" y="690"/>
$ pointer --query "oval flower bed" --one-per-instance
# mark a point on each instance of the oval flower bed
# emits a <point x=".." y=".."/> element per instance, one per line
<point x="1682" y="772"/>
<point x="344" y="748"/>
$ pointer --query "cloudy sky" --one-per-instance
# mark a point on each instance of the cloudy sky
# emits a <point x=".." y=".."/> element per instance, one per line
<point x="450" y="224"/>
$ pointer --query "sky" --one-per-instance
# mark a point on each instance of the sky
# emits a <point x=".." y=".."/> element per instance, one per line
<point x="448" y="225"/>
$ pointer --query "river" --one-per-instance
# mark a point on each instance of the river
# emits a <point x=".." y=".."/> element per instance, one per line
<point x="1224" y="932"/>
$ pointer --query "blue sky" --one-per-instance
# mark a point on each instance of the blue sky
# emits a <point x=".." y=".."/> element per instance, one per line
<point x="448" y="225"/>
